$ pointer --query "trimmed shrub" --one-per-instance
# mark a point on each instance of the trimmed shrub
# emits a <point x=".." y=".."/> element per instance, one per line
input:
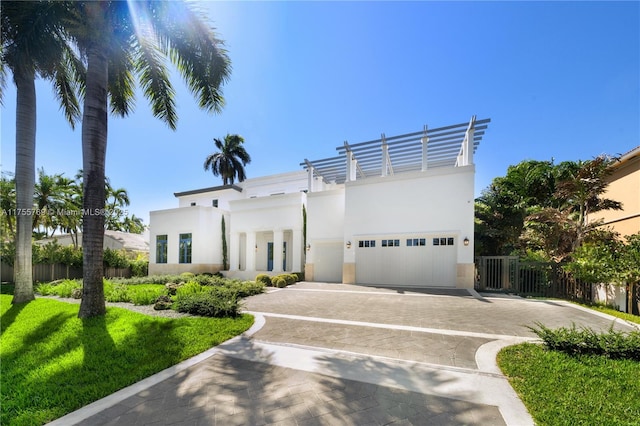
<point x="290" y="278"/>
<point x="279" y="281"/>
<point x="300" y="276"/>
<point x="215" y="302"/>
<point x="585" y="341"/>
<point x="244" y="288"/>
<point x="264" y="279"/>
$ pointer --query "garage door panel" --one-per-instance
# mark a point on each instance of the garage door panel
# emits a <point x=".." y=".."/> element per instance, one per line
<point x="408" y="264"/>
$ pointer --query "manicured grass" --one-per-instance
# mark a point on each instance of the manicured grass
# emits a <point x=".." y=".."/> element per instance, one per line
<point x="559" y="389"/>
<point x="54" y="363"/>
<point x="613" y="312"/>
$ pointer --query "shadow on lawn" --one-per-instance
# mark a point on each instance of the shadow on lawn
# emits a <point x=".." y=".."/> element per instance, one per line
<point x="10" y="316"/>
<point x="96" y="341"/>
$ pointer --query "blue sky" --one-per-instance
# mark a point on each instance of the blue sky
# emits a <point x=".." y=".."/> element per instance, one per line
<point x="559" y="80"/>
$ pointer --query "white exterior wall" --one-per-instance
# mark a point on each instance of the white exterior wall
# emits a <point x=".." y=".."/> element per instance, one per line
<point x="283" y="183"/>
<point x="205" y="199"/>
<point x="204" y="224"/>
<point x="325" y="235"/>
<point x="257" y="221"/>
<point x="610" y="294"/>
<point x="438" y="201"/>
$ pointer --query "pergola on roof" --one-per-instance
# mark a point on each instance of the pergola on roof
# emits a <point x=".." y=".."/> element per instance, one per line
<point x="402" y="153"/>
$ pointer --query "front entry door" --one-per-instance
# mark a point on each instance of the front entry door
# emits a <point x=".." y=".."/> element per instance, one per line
<point x="269" y="256"/>
<point x="284" y="256"/>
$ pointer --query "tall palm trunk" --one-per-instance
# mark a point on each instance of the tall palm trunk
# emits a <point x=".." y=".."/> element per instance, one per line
<point x="94" y="148"/>
<point x="25" y="182"/>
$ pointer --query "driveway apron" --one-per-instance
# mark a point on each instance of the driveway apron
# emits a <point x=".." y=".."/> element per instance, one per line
<point x="335" y="354"/>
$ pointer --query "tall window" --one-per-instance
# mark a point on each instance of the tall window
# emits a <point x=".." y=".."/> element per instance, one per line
<point x="185" y="248"/>
<point x="161" y="249"/>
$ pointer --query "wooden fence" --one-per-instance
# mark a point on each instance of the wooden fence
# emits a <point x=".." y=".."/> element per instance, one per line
<point x="538" y="279"/>
<point x="57" y="271"/>
<point x="509" y="274"/>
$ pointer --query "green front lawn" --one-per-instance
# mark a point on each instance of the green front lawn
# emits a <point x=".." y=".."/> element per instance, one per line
<point x="559" y="389"/>
<point x="613" y="312"/>
<point x="54" y="363"/>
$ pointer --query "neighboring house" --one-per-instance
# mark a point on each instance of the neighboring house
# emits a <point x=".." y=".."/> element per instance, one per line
<point x="624" y="186"/>
<point x="397" y="211"/>
<point x="114" y="240"/>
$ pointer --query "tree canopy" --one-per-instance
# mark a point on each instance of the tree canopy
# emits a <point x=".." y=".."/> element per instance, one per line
<point x="540" y="207"/>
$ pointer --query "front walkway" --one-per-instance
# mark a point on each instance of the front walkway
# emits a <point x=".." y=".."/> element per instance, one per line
<point x="340" y="354"/>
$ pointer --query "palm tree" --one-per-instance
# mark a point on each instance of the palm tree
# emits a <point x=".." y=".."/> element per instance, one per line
<point x="51" y="193"/>
<point x="133" y="224"/>
<point x="33" y="43"/>
<point x="116" y="199"/>
<point x="230" y="159"/>
<point x="121" y="41"/>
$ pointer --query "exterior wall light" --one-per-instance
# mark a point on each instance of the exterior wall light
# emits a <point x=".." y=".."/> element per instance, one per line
<point x="348" y="244"/>
<point x="308" y="247"/>
<point x="256" y="247"/>
<point x="466" y="241"/>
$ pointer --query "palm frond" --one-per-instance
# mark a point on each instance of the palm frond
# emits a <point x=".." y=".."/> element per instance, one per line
<point x="155" y="81"/>
<point x="195" y="50"/>
<point x="121" y="84"/>
<point x="3" y="80"/>
<point x="65" y="87"/>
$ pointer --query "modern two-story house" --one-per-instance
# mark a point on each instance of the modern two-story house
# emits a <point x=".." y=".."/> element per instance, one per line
<point x="395" y="211"/>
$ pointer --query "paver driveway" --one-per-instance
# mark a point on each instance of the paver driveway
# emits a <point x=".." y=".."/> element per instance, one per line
<point x="337" y="354"/>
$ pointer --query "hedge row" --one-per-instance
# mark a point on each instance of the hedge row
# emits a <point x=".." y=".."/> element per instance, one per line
<point x="279" y="281"/>
<point x="585" y="341"/>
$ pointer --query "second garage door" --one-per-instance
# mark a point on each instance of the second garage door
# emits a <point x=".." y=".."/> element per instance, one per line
<point x="421" y="261"/>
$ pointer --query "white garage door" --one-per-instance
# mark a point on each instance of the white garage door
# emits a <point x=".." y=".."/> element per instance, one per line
<point x="328" y="260"/>
<point x="422" y="261"/>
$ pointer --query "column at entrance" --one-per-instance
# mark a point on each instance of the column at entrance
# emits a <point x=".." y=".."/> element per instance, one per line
<point x="234" y="252"/>
<point x="278" y="240"/>
<point x="251" y="251"/>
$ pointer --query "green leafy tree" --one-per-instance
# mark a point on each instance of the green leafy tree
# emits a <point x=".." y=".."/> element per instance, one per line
<point x="122" y="41"/>
<point x="502" y="208"/>
<point x="629" y="268"/>
<point x="595" y="262"/>
<point x="560" y="230"/>
<point x="34" y="44"/>
<point x="230" y="159"/>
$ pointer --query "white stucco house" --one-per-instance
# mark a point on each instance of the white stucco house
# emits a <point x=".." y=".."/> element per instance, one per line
<point x="396" y="211"/>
